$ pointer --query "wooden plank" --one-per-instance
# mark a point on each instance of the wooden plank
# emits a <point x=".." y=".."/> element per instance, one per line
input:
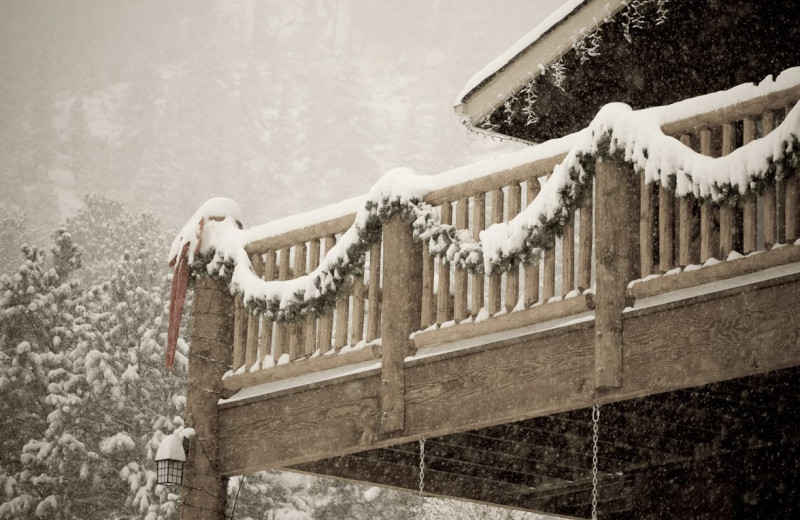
<point x="239" y="332"/>
<point x="712" y="273"/>
<point x="568" y="256"/>
<point x="666" y="228"/>
<point x="685" y="220"/>
<point x="460" y="310"/>
<point x="428" y="295"/>
<point x="613" y="263"/>
<point x="708" y="238"/>
<point x="281" y="330"/>
<point x="495" y="279"/>
<point x="342" y="321"/>
<point x="403" y="290"/>
<point x="325" y="322"/>
<point x="586" y="239"/>
<point x="713" y="337"/>
<point x="374" y="312"/>
<point x="792" y="225"/>
<point x="301" y="367"/>
<point x="478" y="225"/>
<point x="769" y="199"/>
<point x="504" y="322"/>
<point x="301" y="235"/>
<point x="646" y="217"/>
<point x="357" y="323"/>
<point x="749" y="217"/>
<point x="512" y="277"/>
<point x="549" y="275"/>
<point x="310" y="333"/>
<point x="251" y="348"/>
<point x="532" y="269"/>
<point x="727" y="223"/>
<point x="495" y="181"/>
<point x="792" y="202"/>
<point x="265" y="341"/>
<point x="749" y="108"/>
<point x="296" y="340"/>
<point x="443" y="289"/>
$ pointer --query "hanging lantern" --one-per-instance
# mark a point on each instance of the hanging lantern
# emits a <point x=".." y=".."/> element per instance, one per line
<point x="169" y="461"/>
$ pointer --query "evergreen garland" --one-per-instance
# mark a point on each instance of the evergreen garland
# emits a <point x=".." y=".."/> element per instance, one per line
<point x="458" y="247"/>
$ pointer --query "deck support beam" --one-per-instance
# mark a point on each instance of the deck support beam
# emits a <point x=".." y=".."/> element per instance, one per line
<point x="204" y="491"/>
<point x="402" y="307"/>
<point x="615" y="219"/>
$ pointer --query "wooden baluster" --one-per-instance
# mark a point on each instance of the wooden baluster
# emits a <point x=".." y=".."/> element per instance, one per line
<point x="585" y="241"/>
<point x="792" y="206"/>
<point x="549" y="271"/>
<point x="281" y="329"/>
<point x="357" y="317"/>
<point x="478" y="225"/>
<point x="727" y="223"/>
<point x="325" y="325"/>
<point x="428" y="296"/>
<point x="769" y="200"/>
<point x="460" y="310"/>
<point x="342" y="320"/>
<point x="568" y="256"/>
<point x="666" y="228"/>
<point x="310" y="335"/>
<point x="750" y="222"/>
<point x="239" y="332"/>
<point x="688" y="252"/>
<point x="265" y="341"/>
<point x="512" y="277"/>
<point x="251" y="351"/>
<point x="646" y="212"/>
<point x="532" y="269"/>
<point x="495" y="279"/>
<point x="374" y="317"/>
<point x="707" y="241"/>
<point x="443" y="290"/>
<point x="296" y="341"/>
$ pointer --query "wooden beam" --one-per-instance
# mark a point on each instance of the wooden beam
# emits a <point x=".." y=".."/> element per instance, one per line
<point x="204" y="491"/>
<point x="733" y="333"/>
<point x="614" y="218"/>
<point x="402" y="289"/>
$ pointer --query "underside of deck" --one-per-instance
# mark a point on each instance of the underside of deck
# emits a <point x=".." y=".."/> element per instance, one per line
<point x="704" y="422"/>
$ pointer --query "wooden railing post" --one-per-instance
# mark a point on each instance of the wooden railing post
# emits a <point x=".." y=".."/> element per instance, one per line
<point x="616" y="214"/>
<point x="204" y="491"/>
<point x="402" y="305"/>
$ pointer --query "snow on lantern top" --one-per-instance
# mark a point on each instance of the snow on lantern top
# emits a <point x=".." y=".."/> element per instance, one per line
<point x="171" y="448"/>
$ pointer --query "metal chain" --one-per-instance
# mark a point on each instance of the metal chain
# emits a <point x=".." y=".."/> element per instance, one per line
<point x="595" y="422"/>
<point x="421" y="493"/>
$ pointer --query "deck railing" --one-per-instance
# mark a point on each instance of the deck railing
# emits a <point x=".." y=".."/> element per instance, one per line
<point x="675" y="236"/>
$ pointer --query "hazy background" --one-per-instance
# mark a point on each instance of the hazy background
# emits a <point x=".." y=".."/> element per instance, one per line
<point x="282" y="105"/>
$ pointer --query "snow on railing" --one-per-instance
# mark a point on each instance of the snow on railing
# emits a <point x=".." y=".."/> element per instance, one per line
<point x="516" y="235"/>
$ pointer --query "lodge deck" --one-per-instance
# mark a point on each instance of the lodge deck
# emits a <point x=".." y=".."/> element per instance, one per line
<point x="694" y="365"/>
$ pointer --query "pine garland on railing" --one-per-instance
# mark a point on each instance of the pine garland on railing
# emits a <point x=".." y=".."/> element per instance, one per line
<point x="459" y="248"/>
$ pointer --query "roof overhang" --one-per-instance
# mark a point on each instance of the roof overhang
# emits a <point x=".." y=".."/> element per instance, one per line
<point x="530" y="56"/>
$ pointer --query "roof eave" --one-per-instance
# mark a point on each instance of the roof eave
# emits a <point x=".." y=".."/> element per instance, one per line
<point x="536" y="57"/>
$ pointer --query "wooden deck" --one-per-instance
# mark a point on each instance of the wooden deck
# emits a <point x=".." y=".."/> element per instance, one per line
<point x="695" y="368"/>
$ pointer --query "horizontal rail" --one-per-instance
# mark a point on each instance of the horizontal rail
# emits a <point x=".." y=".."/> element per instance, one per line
<point x="303" y="234"/>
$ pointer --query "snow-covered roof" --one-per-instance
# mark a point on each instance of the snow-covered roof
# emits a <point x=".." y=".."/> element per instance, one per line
<point x="546" y="43"/>
<point x="171" y="448"/>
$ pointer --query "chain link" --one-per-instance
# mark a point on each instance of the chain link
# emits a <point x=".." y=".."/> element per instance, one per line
<point x="421" y="493"/>
<point x="595" y="423"/>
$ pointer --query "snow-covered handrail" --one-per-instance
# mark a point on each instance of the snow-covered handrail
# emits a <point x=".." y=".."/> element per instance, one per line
<point x="635" y="137"/>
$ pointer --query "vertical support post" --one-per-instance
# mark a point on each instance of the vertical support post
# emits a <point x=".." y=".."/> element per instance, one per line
<point x="460" y="310"/>
<point x="586" y="240"/>
<point x="478" y="224"/>
<point x="495" y="279"/>
<point x="443" y="289"/>
<point x="532" y="270"/>
<point x="614" y="221"/>
<point x="512" y="277"/>
<point x="402" y="305"/>
<point x="646" y="211"/>
<point x="750" y="218"/>
<point x="204" y="491"/>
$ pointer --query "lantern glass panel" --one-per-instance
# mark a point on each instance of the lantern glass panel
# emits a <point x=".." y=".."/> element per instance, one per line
<point x="169" y="472"/>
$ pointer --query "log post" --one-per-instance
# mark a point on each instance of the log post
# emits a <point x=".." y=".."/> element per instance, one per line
<point x="615" y="217"/>
<point x="204" y="491"/>
<point x="402" y="305"/>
